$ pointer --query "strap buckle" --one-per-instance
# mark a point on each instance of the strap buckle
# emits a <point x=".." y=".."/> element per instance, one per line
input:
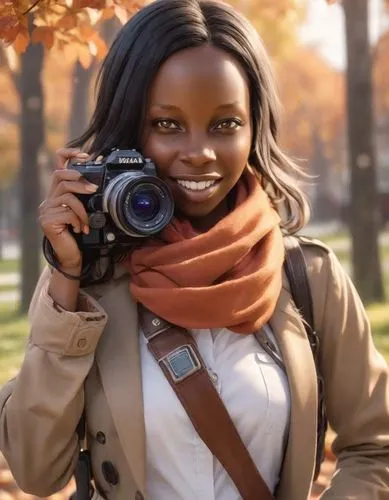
<point x="181" y="362"/>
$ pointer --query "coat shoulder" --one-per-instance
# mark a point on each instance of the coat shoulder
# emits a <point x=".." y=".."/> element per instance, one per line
<point x="313" y="244"/>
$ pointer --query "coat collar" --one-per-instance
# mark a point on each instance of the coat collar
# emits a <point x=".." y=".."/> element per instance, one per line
<point x="118" y="360"/>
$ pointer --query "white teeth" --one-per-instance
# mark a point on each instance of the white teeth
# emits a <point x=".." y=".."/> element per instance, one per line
<point x="195" y="186"/>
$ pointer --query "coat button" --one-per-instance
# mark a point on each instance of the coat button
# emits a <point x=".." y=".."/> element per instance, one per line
<point x="100" y="437"/>
<point x="110" y="473"/>
<point x="82" y="343"/>
<point x="139" y="496"/>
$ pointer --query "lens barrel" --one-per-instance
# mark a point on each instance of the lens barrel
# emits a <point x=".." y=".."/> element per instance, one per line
<point x="139" y="204"/>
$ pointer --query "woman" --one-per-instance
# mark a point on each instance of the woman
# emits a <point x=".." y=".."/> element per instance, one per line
<point x="187" y="83"/>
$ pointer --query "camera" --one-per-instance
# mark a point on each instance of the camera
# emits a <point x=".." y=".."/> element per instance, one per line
<point x="131" y="202"/>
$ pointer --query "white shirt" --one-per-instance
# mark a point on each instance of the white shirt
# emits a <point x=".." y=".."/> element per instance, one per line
<point x="255" y="392"/>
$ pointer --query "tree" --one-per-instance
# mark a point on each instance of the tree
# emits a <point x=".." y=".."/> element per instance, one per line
<point x="64" y="25"/>
<point x="32" y="135"/>
<point x="364" y="210"/>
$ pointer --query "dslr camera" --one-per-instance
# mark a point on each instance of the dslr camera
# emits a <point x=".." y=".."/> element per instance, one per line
<point x="131" y="201"/>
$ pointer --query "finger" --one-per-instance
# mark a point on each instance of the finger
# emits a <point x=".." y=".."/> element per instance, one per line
<point x="62" y="175"/>
<point x="57" y="220"/>
<point x="77" y="187"/>
<point x="65" y="154"/>
<point x="70" y="202"/>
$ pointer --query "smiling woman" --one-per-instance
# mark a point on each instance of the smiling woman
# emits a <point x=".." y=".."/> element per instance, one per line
<point x="190" y="364"/>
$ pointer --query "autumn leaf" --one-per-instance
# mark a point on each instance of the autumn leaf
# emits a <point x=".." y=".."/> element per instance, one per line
<point x="92" y="4"/>
<point x="43" y="34"/>
<point x="67" y="22"/>
<point x="107" y="13"/>
<point x="86" y="31"/>
<point x="21" y="41"/>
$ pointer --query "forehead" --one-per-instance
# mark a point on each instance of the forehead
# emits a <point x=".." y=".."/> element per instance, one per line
<point x="200" y="76"/>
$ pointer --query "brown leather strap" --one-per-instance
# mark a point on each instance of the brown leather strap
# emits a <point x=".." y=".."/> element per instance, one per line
<point x="176" y="352"/>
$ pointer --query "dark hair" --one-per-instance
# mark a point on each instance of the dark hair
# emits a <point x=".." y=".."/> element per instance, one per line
<point x="151" y="36"/>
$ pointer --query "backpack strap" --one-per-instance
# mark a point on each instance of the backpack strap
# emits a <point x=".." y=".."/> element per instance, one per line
<point x="83" y="470"/>
<point x="176" y="352"/>
<point x="297" y="274"/>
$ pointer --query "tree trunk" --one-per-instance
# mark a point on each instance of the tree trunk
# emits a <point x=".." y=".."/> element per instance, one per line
<point x="79" y="109"/>
<point x="81" y="85"/>
<point x="364" y="217"/>
<point x="32" y="140"/>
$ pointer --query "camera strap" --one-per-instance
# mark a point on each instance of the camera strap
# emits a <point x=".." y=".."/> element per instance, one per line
<point x="176" y="352"/>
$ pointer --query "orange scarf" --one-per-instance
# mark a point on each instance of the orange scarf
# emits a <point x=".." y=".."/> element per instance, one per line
<point x="229" y="276"/>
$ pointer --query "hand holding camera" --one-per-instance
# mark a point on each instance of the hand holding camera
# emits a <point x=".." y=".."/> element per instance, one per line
<point x="98" y="205"/>
<point x="62" y="210"/>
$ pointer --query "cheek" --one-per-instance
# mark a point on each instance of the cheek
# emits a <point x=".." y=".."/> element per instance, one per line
<point x="237" y="150"/>
<point x="161" y="151"/>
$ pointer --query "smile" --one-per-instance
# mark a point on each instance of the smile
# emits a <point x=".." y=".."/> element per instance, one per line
<point x="194" y="185"/>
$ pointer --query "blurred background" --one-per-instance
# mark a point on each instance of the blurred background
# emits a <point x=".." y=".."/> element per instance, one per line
<point x="331" y="60"/>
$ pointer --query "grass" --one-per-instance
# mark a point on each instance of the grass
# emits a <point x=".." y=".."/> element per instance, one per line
<point x="8" y="288"/>
<point x="9" y="266"/>
<point x="13" y="334"/>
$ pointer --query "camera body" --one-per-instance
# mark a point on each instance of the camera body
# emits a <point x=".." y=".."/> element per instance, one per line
<point x="131" y="202"/>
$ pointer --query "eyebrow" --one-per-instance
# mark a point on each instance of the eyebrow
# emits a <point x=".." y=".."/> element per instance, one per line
<point x="171" y="107"/>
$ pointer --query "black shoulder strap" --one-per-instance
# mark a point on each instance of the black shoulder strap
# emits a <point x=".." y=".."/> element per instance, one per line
<point x="296" y="271"/>
<point x="83" y="470"/>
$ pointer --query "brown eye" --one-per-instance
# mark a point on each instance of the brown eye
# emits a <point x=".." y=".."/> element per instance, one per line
<point x="165" y="124"/>
<point x="228" y="124"/>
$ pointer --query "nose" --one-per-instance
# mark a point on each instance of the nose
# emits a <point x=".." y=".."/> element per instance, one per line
<point x="197" y="152"/>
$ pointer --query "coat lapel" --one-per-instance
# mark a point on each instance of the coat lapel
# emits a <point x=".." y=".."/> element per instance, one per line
<point x="298" y="465"/>
<point x="118" y="361"/>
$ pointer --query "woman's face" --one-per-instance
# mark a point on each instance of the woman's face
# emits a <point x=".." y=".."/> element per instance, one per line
<point x="198" y="129"/>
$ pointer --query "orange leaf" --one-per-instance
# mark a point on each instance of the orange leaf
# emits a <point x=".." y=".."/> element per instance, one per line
<point x="21" y="42"/>
<point x="43" y="34"/>
<point x="86" y="31"/>
<point x="9" y="28"/>
<point x="67" y="22"/>
<point x="108" y="13"/>
<point x="92" y="4"/>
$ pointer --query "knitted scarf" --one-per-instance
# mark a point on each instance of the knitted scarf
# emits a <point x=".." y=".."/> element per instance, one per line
<point x="229" y="276"/>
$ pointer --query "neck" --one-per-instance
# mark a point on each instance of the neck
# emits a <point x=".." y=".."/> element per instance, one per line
<point x="205" y="223"/>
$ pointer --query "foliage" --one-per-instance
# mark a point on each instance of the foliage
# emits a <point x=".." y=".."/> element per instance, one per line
<point x="68" y="25"/>
<point x="312" y="94"/>
<point x="276" y="21"/>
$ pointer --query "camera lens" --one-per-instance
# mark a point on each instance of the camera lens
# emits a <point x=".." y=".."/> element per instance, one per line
<point x="139" y="204"/>
<point x="144" y="205"/>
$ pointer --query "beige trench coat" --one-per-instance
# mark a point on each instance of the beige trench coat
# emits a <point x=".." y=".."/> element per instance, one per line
<point x="41" y="407"/>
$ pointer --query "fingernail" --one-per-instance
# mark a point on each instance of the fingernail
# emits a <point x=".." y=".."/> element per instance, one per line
<point x="91" y="188"/>
<point x="85" y="229"/>
<point x="82" y="155"/>
<point x="76" y="230"/>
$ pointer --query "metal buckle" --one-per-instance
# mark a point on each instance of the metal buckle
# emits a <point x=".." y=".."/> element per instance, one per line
<point x="181" y="362"/>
